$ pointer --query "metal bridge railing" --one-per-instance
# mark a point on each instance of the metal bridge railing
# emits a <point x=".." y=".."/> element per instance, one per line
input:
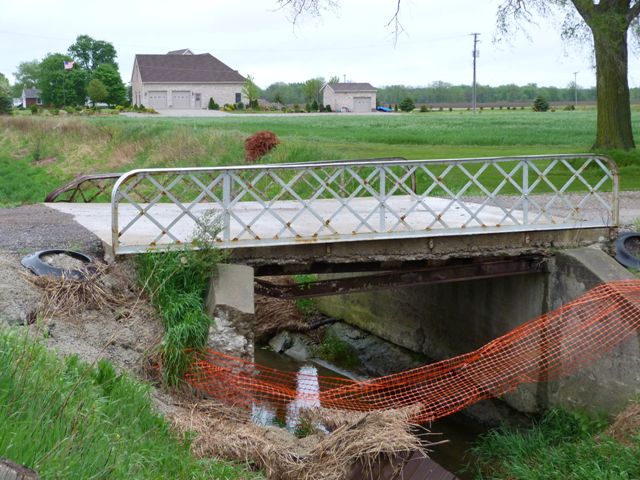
<point x="285" y="204"/>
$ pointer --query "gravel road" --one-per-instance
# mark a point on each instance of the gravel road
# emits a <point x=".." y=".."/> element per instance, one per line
<point x="29" y="228"/>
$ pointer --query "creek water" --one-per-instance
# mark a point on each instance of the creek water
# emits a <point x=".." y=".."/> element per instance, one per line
<point x="459" y="431"/>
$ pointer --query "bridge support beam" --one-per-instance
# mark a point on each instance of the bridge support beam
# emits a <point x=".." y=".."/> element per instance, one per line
<point x="230" y="304"/>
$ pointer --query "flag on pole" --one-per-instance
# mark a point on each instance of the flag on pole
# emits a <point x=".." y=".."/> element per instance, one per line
<point x="68" y="65"/>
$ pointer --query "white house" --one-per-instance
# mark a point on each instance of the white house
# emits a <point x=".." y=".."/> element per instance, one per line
<point x="181" y="79"/>
<point x="350" y="97"/>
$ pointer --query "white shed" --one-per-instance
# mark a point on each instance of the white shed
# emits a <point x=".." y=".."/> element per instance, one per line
<point x="350" y="97"/>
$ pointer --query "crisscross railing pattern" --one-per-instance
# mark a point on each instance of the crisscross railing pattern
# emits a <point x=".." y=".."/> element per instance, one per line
<point x="362" y="200"/>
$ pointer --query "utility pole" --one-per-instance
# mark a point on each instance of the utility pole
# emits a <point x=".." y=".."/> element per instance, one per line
<point x="575" y="87"/>
<point x="475" y="56"/>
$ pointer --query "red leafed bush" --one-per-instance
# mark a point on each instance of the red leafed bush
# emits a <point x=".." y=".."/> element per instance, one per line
<point x="259" y="144"/>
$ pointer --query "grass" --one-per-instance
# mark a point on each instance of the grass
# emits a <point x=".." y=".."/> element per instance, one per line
<point x="45" y="151"/>
<point x="563" y="445"/>
<point x="177" y="283"/>
<point x="67" y="419"/>
<point x="335" y="350"/>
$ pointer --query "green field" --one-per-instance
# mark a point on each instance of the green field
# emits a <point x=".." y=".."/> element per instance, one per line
<point x="39" y="153"/>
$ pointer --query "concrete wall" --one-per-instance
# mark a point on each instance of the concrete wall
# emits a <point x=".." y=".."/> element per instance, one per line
<point x="611" y="380"/>
<point x="446" y="320"/>
<point x="442" y="321"/>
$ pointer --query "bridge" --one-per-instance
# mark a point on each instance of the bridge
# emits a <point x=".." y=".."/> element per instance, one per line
<point x="406" y="222"/>
<point x="373" y="212"/>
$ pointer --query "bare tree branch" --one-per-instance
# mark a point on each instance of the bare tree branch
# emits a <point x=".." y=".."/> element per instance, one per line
<point x="312" y="8"/>
<point x="395" y="20"/>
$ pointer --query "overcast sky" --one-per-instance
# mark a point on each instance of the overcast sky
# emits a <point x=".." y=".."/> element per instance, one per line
<point x="256" y="38"/>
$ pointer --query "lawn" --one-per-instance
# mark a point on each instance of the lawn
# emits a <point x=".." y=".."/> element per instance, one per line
<point x="43" y="152"/>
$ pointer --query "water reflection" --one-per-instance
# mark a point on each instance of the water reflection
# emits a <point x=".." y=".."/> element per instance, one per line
<point x="307" y="391"/>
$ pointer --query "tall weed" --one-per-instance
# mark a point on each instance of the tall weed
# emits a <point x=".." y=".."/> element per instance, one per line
<point x="177" y="284"/>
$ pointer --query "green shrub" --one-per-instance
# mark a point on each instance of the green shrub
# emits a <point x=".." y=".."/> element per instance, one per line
<point x="540" y="104"/>
<point x="212" y="104"/>
<point x="407" y="105"/>
<point x="327" y="108"/>
<point x="239" y="106"/>
<point x="314" y="106"/>
<point x="34" y="109"/>
<point x="569" y="107"/>
<point x="423" y="108"/>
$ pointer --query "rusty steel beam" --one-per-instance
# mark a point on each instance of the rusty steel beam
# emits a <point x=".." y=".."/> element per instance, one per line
<point x="392" y="279"/>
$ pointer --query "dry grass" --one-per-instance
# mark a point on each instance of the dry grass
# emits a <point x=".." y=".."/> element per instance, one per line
<point x="354" y="438"/>
<point x="102" y="288"/>
<point x="626" y="424"/>
<point x="274" y="315"/>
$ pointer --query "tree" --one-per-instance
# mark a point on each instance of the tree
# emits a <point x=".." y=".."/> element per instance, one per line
<point x="59" y="86"/>
<point x="312" y="88"/>
<point x="334" y="79"/>
<point x="110" y="78"/>
<point x="90" y="53"/>
<point x="605" y="22"/>
<point x="540" y="104"/>
<point x="407" y="105"/>
<point x="97" y="91"/>
<point x="27" y="76"/>
<point x="251" y="91"/>
<point x="6" y="100"/>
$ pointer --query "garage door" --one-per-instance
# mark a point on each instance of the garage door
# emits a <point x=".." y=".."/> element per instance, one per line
<point x="362" y="104"/>
<point x="181" y="99"/>
<point x="158" y="100"/>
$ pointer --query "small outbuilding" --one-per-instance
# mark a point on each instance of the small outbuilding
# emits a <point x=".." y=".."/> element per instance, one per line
<point x="349" y="97"/>
<point x="30" y="96"/>
<point x="181" y="79"/>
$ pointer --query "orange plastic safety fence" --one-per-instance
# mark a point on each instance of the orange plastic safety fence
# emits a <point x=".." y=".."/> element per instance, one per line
<point x="552" y="345"/>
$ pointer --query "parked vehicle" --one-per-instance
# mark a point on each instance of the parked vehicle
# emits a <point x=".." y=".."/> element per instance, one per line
<point x="384" y="109"/>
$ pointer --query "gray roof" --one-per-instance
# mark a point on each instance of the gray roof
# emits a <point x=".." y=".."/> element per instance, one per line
<point x="353" y="87"/>
<point x="202" y="68"/>
<point x="31" y="93"/>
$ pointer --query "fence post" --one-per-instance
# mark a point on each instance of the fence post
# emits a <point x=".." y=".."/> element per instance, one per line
<point x="226" y="205"/>
<point x="383" y="198"/>
<point x="525" y="192"/>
